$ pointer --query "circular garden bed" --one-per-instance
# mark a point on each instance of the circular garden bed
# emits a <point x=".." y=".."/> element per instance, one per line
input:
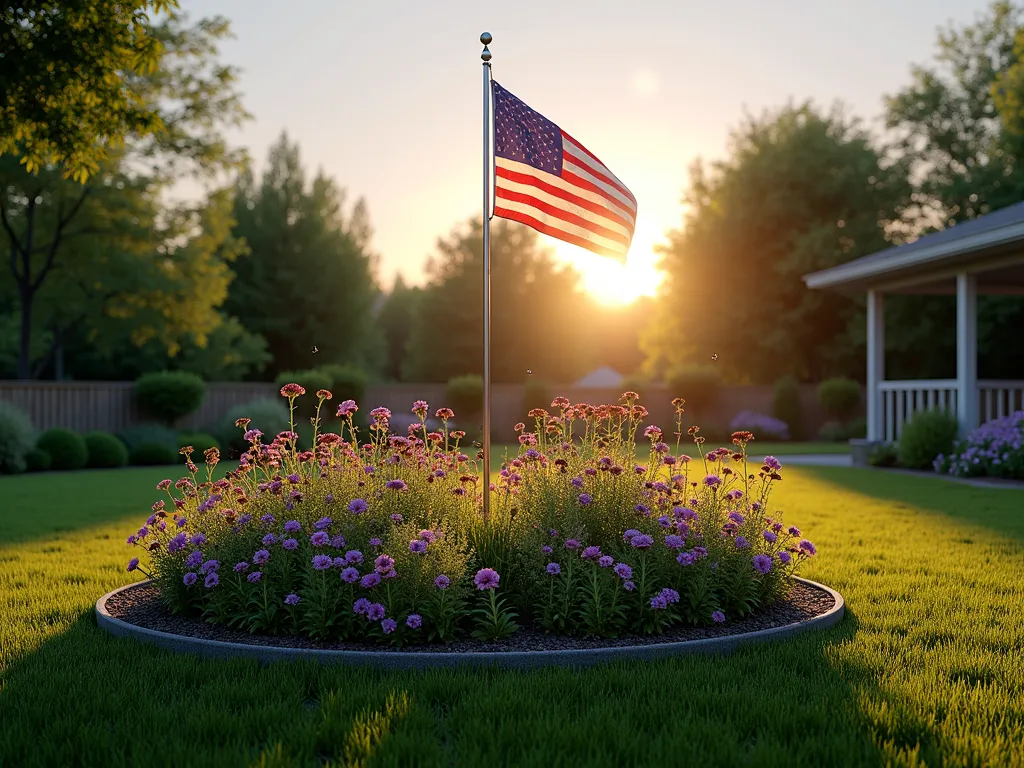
<point x="136" y="611"/>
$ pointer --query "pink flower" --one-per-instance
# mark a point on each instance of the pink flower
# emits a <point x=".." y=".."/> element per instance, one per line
<point x="486" y="578"/>
<point x="292" y="390"/>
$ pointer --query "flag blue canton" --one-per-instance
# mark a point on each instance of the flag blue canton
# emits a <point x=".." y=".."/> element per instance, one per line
<point x="526" y="136"/>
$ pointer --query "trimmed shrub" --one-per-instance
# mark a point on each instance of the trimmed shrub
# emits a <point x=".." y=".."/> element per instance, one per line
<point x="465" y="396"/>
<point x="347" y="382"/>
<point x="153" y="454"/>
<point x="268" y="414"/>
<point x="37" y="460"/>
<point x="200" y="441"/>
<point x="17" y="438"/>
<point x="786" y="406"/>
<point x="839" y="398"/>
<point x="143" y="434"/>
<point x="926" y="436"/>
<point x="105" y="450"/>
<point x="698" y="385"/>
<point x="66" y="448"/>
<point x="857" y="429"/>
<point x="832" y="432"/>
<point x="169" y="395"/>
<point x="884" y="455"/>
<point x="763" y="426"/>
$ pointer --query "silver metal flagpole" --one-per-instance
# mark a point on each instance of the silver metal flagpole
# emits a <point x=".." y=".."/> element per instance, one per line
<point x="486" y="38"/>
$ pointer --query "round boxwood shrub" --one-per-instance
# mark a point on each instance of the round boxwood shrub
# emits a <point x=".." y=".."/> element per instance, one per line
<point x="37" y="460"/>
<point x="465" y="396"/>
<point x="786" y="405"/>
<point x="347" y="382"/>
<point x="141" y="434"/>
<point x="924" y="437"/>
<point x="269" y="415"/>
<point x="66" y="448"/>
<point x="16" y="438"/>
<point x="839" y="398"/>
<point x="536" y="394"/>
<point x="153" y="454"/>
<point x="698" y="385"/>
<point x="312" y="381"/>
<point x="200" y="441"/>
<point x="169" y="395"/>
<point x="105" y="450"/>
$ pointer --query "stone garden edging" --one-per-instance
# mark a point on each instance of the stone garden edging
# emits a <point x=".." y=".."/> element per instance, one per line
<point x="424" y="660"/>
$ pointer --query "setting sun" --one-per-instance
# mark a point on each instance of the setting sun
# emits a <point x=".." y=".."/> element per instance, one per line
<point x="607" y="280"/>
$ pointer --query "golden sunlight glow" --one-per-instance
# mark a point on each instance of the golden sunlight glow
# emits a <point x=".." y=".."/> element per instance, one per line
<point x="610" y="282"/>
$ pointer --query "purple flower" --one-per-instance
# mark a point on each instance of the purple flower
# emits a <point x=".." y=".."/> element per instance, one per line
<point x="442" y="582"/>
<point x="741" y="543"/>
<point x="546" y="549"/>
<point x="132" y="538"/>
<point x="807" y="548"/>
<point x="375" y="612"/>
<point x="785" y="557"/>
<point x="254" y="577"/>
<point x="347" y="408"/>
<point x="251" y="435"/>
<point x="623" y="571"/>
<point x="198" y="540"/>
<point x="375" y="542"/>
<point x="133" y="564"/>
<point x="350" y="575"/>
<point x="319" y="539"/>
<point x="737" y="518"/>
<point x="396" y="485"/>
<point x="338" y="541"/>
<point x="267" y="519"/>
<point x="605" y="561"/>
<point x="585" y="498"/>
<point x="674" y="542"/>
<point x="629" y="534"/>
<point x="700" y="552"/>
<point x="384" y="563"/>
<point x="241" y="566"/>
<point x="591" y="553"/>
<point x="718" y="617"/>
<point x="418" y="546"/>
<point x="577" y="481"/>
<point x="357" y="506"/>
<point x="712" y="481"/>
<point x="554" y="569"/>
<point x="293" y="479"/>
<point x="572" y="544"/>
<point x="291" y="599"/>
<point x="641" y="541"/>
<point x="370" y="580"/>
<point x="684" y="513"/>
<point x="210" y="565"/>
<point x="794" y="531"/>
<point x="642" y="509"/>
<point x="665" y="521"/>
<point x="261" y="556"/>
<point x="770" y="537"/>
<point x="389" y="626"/>
<point x="670" y="595"/>
<point x="772" y="463"/>
<point x="292" y="526"/>
<point x="486" y="578"/>
<point x="323" y="522"/>
<point x="658" y="602"/>
<point x="762" y="563"/>
<point x="212" y="580"/>
<point x="414" y="621"/>
<point x="322" y="562"/>
<point x="686" y="558"/>
<point x="189" y="579"/>
<point x="360" y="606"/>
<point x="353" y="557"/>
<point x="194" y="559"/>
<point x="290" y="544"/>
<point x="269" y="539"/>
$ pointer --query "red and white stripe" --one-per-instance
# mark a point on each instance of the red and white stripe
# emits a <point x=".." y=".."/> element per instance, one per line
<point x="586" y="205"/>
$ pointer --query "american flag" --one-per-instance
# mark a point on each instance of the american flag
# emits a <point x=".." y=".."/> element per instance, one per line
<point x="546" y="179"/>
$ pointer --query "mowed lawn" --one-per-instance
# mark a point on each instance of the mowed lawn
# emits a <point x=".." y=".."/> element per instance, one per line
<point x="926" y="669"/>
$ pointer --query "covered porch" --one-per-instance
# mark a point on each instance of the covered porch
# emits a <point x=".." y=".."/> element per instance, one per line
<point x="984" y="256"/>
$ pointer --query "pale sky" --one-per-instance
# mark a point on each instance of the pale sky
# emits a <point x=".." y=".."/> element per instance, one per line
<point x="385" y="95"/>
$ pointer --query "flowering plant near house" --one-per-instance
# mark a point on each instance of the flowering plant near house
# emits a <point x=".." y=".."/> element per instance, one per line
<point x="995" y="449"/>
<point x="381" y="539"/>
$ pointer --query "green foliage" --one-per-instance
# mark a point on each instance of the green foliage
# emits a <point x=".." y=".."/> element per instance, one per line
<point x="152" y="455"/>
<point x="347" y="382"/>
<point x="540" y="319"/>
<point x="839" y="397"/>
<point x="786" y="405"/>
<point x="925" y="436"/>
<point x="269" y="415"/>
<point x="143" y="434"/>
<point x="396" y="320"/>
<point x="308" y="280"/>
<point x="105" y="450"/>
<point x="884" y="455"/>
<point x="856" y="429"/>
<point x="832" y="432"/>
<point x="698" y="385"/>
<point x="198" y="440"/>
<point x="536" y="394"/>
<point x="170" y="395"/>
<point x="17" y="437"/>
<point x="465" y="396"/>
<point x="37" y="460"/>
<point x="66" y="447"/>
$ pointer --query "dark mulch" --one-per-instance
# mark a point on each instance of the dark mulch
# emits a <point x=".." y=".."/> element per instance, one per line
<point x="140" y="605"/>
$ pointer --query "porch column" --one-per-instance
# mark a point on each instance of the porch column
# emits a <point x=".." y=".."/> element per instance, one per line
<point x="876" y="365"/>
<point x="966" y="352"/>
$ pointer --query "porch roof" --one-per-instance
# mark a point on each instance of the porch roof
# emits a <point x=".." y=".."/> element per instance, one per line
<point x="991" y="246"/>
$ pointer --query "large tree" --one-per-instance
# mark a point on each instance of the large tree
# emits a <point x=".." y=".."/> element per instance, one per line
<point x="801" y="189"/>
<point x="539" y="316"/>
<point x="309" y="282"/>
<point x="396" y="318"/>
<point x="113" y="248"/>
<point x="68" y="94"/>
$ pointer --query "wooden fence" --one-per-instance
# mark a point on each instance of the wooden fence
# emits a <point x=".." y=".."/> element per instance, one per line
<point x="110" y="405"/>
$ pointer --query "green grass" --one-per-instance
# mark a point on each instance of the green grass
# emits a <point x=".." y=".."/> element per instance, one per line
<point x="927" y="668"/>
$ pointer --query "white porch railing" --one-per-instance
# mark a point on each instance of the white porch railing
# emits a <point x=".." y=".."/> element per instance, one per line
<point x="900" y="400"/>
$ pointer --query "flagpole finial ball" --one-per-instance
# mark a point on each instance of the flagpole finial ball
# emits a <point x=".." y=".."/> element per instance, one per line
<point x="485" y="54"/>
<point x="486" y="38"/>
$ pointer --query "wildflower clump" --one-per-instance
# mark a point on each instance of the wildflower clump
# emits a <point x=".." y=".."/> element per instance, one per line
<point x="598" y="526"/>
<point x="995" y="449"/>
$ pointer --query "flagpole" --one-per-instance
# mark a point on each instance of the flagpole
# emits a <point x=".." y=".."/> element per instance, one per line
<point x="485" y="55"/>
